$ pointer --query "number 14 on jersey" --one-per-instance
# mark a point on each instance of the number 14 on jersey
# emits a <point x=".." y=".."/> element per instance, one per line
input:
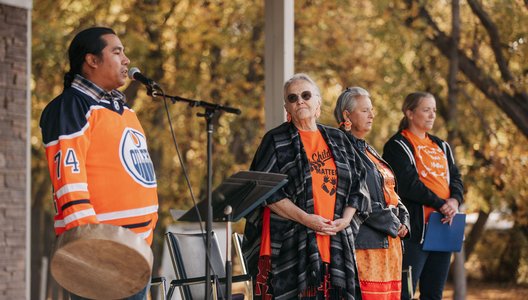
<point x="70" y="161"/>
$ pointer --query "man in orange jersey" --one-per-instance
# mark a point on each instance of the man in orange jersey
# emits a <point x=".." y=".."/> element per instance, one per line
<point x="96" y="149"/>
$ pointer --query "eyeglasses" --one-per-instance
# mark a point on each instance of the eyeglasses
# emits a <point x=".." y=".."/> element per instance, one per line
<point x="306" y="95"/>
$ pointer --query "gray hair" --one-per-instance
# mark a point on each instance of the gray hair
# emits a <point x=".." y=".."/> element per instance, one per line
<point x="299" y="77"/>
<point x="347" y="101"/>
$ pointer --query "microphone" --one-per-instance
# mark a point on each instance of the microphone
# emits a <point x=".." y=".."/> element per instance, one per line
<point x="135" y="74"/>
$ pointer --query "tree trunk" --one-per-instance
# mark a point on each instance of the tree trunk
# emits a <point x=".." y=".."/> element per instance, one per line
<point x="476" y="233"/>
<point x="459" y="272"/>
<point x="510" y="258"/>
<point x="453" y="71"/>
<point x="459" y="276"/>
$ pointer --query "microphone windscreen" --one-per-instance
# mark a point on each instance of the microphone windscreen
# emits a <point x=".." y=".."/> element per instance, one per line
<point x="133" y="71"/>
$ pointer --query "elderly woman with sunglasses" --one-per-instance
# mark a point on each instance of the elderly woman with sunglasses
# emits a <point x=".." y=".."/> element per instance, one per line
<point x="378" y="245"/>
<point x="300" y="245"/>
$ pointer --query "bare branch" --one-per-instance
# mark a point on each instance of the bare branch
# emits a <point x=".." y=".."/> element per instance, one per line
<point x="515" y="106"/>
<point x="169" y="13"/>
<point x="495" y="42"/>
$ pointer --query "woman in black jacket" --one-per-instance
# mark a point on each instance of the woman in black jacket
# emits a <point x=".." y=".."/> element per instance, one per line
<point x="428" y="180"/>
<point x="378" y="245"/>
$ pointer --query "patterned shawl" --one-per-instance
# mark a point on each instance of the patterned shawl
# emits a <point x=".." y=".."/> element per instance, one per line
<point x="296" y="263"/>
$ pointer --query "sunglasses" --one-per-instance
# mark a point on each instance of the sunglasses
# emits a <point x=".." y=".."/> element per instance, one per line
<point x="306" y="95"/>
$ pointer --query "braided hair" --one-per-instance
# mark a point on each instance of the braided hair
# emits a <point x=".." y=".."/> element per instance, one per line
<point x="88" y="41"/>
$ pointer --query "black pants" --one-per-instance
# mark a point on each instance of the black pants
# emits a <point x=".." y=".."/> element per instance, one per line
<point x="430" y="268"/>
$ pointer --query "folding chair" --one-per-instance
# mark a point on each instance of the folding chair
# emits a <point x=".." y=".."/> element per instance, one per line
<point x="237" y="244"/>
<point x="160" y="283"/>
<point x="407" y="277"/>
<point x="188" y="255"/>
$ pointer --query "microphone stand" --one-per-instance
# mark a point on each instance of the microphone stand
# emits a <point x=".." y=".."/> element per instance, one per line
<point x="210" y="110"/>
<point x="228" y="210"/>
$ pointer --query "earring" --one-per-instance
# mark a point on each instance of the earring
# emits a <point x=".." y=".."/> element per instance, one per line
<point x="347" y="125"/>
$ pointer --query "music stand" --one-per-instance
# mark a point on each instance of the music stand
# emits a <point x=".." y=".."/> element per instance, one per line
<point x="232" y="200"/>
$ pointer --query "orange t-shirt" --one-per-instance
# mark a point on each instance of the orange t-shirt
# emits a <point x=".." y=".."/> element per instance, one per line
<point x="432" y="167"/>
<point x="324" y="182"/>
<point x="389" y="183"/>
<point x="324" y="188"/>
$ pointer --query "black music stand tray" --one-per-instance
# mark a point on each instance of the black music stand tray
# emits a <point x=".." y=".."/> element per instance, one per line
<point x="232" y="200"/>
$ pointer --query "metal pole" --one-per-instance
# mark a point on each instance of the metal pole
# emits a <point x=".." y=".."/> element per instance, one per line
<point x="209" y="222"/>
<point x="229" y="265"/>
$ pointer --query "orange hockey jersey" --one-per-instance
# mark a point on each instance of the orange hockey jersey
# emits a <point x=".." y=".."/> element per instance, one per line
<point x="98" y="161"/>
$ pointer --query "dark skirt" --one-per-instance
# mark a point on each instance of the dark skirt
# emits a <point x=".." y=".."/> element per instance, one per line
<point x="263" y="289"/>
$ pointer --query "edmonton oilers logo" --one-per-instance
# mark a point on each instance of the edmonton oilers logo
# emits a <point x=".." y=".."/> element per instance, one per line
<point x="136" y="159"/>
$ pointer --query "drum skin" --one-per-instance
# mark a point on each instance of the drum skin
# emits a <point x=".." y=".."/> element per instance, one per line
<point x="101" y="261"/>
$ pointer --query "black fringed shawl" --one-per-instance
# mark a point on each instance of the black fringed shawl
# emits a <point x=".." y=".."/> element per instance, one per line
<point x="296" y="263"/>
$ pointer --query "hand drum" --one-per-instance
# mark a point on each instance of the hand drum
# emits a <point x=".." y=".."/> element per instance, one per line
<point x="101" y="261"/>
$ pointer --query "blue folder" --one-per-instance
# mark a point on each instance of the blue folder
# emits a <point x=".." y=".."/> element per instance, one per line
<point x="444" y="237"/>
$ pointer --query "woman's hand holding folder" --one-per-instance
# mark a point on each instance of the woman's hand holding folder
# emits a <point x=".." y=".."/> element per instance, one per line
<point x="449" y="210"/>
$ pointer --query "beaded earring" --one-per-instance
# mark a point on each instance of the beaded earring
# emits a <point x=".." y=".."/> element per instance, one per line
<point x="347" y="125"/>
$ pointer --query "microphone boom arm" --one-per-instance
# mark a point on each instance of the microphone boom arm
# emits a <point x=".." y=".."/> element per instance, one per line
<point x="199" y="103"/>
